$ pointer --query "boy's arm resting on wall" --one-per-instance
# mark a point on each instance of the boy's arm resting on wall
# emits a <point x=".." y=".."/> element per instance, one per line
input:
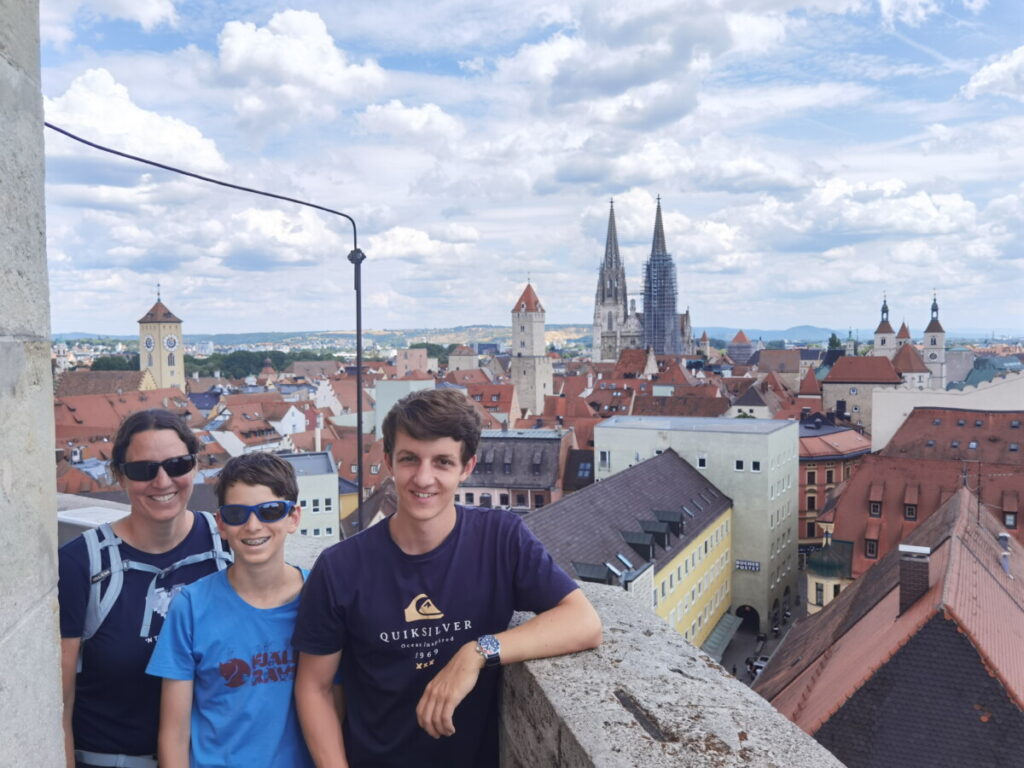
<point x="69" y="650"/>
<point x="572" y="625"/>
<point x="175" y="723"/>
<point x="317" y="709"/>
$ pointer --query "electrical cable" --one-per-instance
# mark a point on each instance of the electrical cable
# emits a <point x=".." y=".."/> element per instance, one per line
<point x="209" y="179"/>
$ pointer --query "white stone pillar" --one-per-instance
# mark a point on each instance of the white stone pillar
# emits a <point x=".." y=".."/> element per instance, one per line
<point x="30" y="700"/>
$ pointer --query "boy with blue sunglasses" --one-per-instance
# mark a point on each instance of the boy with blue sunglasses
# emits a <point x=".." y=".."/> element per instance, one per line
<point x="225" y="653"/>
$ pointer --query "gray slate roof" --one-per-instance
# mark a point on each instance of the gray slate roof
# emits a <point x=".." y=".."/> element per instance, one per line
<point x="648" y="513"/>
<point x="518" y="458"/>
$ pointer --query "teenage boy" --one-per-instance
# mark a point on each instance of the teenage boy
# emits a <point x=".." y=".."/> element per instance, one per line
<point x="416" y="609"/>
<point x="225" y="651"/>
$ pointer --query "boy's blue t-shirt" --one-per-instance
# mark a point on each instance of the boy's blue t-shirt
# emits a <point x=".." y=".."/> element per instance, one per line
<point x="398" y="619"/>
<point x="242" y="664"/>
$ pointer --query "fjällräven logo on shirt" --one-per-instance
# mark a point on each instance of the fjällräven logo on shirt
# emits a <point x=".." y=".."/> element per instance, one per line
<point x="422" y="608"/>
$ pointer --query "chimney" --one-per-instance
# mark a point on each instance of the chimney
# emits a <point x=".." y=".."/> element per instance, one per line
<point x="913" y="574"/>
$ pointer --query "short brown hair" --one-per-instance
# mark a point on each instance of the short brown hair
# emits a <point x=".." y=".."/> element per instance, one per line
<point x="431" y="414"/>
<point x="258" y="469"/>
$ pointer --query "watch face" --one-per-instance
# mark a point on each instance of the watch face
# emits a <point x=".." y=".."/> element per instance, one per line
<point x="149" y="343"/>
<point x="171" y="342"/>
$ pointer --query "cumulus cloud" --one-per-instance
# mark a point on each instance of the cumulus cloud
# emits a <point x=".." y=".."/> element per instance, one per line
<point x="57" y="18"/>
<point x="100" y="109"/>
<point x="428" y="124"/>
<point x="417" y="247"/>
<point x="291" y="67"/>
<point x="1002" y="77"/>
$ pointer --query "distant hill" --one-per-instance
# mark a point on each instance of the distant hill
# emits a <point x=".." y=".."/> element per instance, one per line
<point x="810" y="333"/>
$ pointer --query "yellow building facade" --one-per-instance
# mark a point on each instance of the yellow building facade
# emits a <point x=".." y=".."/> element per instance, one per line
<point x="693" y="590"/>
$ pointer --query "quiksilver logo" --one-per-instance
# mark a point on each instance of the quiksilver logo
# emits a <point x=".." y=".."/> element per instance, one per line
<point x="422" y="608"/>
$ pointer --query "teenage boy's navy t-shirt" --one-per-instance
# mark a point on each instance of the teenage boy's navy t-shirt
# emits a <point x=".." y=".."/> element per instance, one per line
<point x="398" y="619"/>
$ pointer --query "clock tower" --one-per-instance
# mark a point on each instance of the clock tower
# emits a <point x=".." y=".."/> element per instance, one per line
<point x="161" y="351"/>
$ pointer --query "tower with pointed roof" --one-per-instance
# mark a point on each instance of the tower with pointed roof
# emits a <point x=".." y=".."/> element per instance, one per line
<point x="661" y="321"/>
<point x="161" y="351"/>
<point x="616" y="325"/>
<point x="934" y="352"/>
<point x="530" y="365"/>
<point x="885" y="336"/>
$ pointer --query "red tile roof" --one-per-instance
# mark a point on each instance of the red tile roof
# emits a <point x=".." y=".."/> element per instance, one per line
<point x="908" y="360"/>
<point x="886" y="479"/>
<point x="863" y="370"/>
<point x="904" y="332"/>
<point x="528" y="301"/>
<point x="828" y="657"/>
<point x="99" y="382"/>
<point x="740" y="338"/>
<point x="103" y="414"/>
<point x="845" y="444"/>
<point x="954" y="434"/>
<point x="809" y="385"/>
<point x="686" y="405"/>
<point x="158" y="313"/>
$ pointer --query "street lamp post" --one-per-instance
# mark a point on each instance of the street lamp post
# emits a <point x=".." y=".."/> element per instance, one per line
<point x="356" y="257"/>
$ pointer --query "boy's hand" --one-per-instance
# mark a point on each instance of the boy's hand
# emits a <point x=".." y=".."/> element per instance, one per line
<point x="447" y="690"/>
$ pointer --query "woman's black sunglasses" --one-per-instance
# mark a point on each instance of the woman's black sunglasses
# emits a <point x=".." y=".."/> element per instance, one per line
<point x="268" y="512"/>
<point x="144" y="471"/>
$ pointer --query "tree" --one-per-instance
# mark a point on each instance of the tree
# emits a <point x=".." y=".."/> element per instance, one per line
<point x="435" y="350"/>
<point x="834" y="342"/>
<point x="116" y="363"/>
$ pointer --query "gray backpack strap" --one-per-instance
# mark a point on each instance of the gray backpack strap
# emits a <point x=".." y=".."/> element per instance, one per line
<point x="101" y="602"/>
<point x="224" y="558"/>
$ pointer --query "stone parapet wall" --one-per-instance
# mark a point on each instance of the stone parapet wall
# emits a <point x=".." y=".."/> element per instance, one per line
<point x="646" y="698"/>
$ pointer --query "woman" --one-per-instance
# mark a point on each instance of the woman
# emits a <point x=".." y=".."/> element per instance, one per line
<point x="115" y="586"/>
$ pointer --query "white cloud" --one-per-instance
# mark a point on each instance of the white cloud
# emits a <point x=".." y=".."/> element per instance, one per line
<point x="913" y="13"/>
<point x="428" y="123"/>
<point x="756" y="33"/>
<point x="1002" y="77"/>
<point x="57" y="18"/>
<point x="416" y="246"/>
<point x="291" y="67"/>
<point x="101" y="109"/>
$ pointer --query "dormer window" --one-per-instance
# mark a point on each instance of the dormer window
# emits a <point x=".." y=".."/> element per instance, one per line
<point x="910" y="511"/>
<point x="875" y="509"/>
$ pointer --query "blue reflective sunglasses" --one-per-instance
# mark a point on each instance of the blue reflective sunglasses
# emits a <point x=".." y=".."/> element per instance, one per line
<point x="267" y="512"/>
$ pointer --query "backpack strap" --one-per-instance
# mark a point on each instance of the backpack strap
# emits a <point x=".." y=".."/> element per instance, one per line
<point x="224" y="557"/>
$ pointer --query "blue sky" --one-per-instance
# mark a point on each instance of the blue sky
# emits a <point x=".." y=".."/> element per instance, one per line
<point x="810" y="157"/>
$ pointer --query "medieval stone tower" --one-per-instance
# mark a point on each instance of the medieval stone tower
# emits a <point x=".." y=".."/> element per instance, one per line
<point x="530" y="366"/>
<point x="161" y="351"/>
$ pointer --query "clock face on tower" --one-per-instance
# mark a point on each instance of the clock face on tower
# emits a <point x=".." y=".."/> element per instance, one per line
<point x="933" y="356"/>
<point x="171" y="342"/>
<point x="149" y="343"/>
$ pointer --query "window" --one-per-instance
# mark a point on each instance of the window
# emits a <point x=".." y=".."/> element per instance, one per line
<point x="327" y="504"/>
<point x="972" y="445"/>
<point x="739" y="465"/>
<point x="810" y="529"/>
<point x="853" y="390"/>
<point x="1010" y="519"/>
<point x="835" y="591"/>
<point x="1015" y="424"/>
<point x="960" y="422"/>
<point x="875" y="509"/>
<point x="1014" y="447"/>
<point x="485" y="500"/>
<point x="469" y="497"/>
<point x="520" y="499"/>
<point x="655" y="601"/>
<point x="671" y="581"/>
<point x="755" y="466"/>
<point x="812" y="502"/>
<point x="316" y="531"/>
<point x="663" y="589"/>
<point x="830" y="476"/>
<point x="702" y="462"/>
<point x="170" y="359"/>
<point x="374" y="469"/>
<point x="955" y="444"/>
<point x="316" y="505"/>
<point x="503" y="499"/>
<point x="871" y="548"/>
<point x="819" y="593"/>
<point x="458" y="497"/>
<point x="812" y="477"/>
<point x="910" y="511"/>
<point x="304" y="532"/>
<point x="328" y="532"/>
<point x="538" y="500"/>
<point x="604" y="459"/>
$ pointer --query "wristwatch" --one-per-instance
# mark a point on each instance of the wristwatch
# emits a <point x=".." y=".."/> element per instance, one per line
<point x="489" y="647"/>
